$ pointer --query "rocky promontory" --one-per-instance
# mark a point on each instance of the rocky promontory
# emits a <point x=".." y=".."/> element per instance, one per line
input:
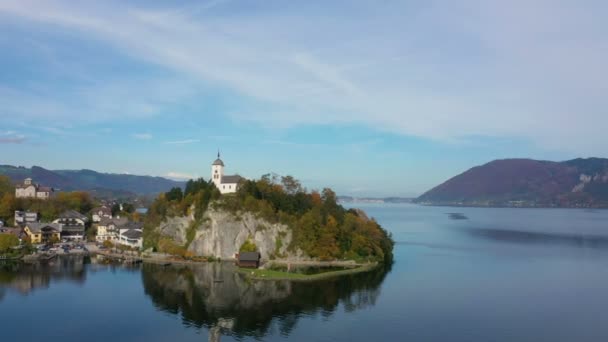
<point x="281" y="221"/>
<point x="221" y="234"/>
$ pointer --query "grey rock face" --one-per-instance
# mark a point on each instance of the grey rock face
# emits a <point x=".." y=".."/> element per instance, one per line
<point x="176" y="228"/>
<point x="221" y="234"/>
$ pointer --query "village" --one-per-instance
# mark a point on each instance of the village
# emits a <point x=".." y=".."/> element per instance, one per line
<point x="107" y="230"/>
<point x="71" y="231"/>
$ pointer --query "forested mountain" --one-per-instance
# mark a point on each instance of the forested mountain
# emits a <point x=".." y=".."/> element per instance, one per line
<point x="92" y="181"/>
<point x="528" y="183"/>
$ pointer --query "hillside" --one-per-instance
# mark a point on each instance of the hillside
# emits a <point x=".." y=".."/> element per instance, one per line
<point x="526" y="183"/>
<point x="87" y="180"/>
<point x="278" y="220"/>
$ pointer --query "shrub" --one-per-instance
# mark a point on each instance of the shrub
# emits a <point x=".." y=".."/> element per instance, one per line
<point x="248" y="246"/>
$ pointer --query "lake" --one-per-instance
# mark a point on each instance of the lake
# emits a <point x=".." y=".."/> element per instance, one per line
<point x="460" y="274"/>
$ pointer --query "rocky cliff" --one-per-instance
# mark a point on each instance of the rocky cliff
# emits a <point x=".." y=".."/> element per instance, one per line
<point x="221" y="234"/>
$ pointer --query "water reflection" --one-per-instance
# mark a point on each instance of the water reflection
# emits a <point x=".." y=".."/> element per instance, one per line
<point x="545" y="238"/>
<point x="214" y="296"/>
<point x="25" y="278"/>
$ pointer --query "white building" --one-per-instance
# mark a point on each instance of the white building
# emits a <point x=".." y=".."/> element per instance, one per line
<point x="23" y="217"/>
<point x="73" y="225"/>
<point x="100" y="212"/>
<point x="109" y="229"/>
<point x="30" y="190"/>
<point x="131" y="235"/>
<point x="226" y="184"/>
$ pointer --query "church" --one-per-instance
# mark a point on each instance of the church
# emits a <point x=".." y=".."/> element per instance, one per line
<point x="226" y="184"/>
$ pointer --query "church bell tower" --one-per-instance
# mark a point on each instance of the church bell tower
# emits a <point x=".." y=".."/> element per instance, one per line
<point x="217" y="171"/>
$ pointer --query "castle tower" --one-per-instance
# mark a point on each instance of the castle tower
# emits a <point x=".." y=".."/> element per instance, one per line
<point x="217" y="171"/>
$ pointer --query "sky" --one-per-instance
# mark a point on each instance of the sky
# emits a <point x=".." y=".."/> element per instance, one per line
<point x="370" y="98"/>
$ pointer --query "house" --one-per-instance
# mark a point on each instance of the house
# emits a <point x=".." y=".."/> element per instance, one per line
<point x="71" y="217"/>
<point x="131" y="234"/>
<point x="23" y="217"/>
<point x="108" y="229"/>
<point x="73" y="225"/>
<point x="42" y="232"/>
<point x="100" y="212"/>
<point x="249" y="259"/>
<point x="226" y="184"/>
<point x="31" y="190"/>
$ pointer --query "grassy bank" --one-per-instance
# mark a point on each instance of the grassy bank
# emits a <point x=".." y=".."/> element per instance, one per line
<point x="262" y="274"/>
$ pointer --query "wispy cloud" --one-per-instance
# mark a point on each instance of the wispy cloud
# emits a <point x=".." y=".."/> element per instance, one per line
<point x="142" y="136"/>
<point x="182" y="142"/>
<point x="413" y="70"/>
<point x="12" y="137"/>
<point x="294" y="144"/>
<point x="180" y="175"/>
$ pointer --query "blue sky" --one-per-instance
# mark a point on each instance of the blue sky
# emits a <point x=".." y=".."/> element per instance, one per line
<point x="367" y="97"/>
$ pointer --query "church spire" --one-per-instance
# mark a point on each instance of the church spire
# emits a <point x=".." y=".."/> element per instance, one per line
<point x="218" y="153"/>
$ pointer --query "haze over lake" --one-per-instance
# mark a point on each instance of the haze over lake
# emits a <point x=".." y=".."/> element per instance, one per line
<point x="460" y="274"/>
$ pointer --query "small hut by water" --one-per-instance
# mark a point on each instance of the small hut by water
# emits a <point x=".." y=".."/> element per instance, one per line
<point x="249" y="259"/>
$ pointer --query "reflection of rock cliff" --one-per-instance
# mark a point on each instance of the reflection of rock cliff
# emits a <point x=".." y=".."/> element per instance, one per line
<point x="215" y="297"/>
<point x="25" y="278"/>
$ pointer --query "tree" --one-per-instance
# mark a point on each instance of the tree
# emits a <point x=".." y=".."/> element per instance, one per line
<point x="54" y="240"/>
<point x="115" y="209"/>
<point x="7" y="206"/>
<point x="6" y="186"/>
<point x="291" y="185"/>
<point x="128" y="208"/>
<point x="7" y="241"/>
<point x="91" y="234"/>
<point x="175" y="194"/>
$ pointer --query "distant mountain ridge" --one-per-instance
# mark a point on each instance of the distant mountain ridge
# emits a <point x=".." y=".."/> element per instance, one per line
<point x="526" y="183"/>
<point x="352" y="199"/>
<point x="92" y="181"/>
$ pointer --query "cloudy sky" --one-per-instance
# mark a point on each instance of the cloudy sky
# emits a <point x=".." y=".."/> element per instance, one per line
<point x="368" y="97"/>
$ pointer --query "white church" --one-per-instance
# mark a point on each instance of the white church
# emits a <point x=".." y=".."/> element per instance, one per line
<point x="226" y="184"/>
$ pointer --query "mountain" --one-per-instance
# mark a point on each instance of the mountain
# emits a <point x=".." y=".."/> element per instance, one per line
<point x="101" y="184"/>
<point x="527" y="183"/>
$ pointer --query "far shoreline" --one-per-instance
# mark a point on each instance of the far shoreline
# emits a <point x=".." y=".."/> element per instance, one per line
<point x="503" y="207"/>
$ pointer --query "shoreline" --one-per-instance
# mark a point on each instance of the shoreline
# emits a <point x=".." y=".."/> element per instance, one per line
<point x="265" y="274"/>
<point x="261" y="273"/>
<point x="446" y="205"/>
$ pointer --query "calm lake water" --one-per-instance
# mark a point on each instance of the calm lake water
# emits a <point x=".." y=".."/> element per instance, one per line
<point x="481" y="275"/>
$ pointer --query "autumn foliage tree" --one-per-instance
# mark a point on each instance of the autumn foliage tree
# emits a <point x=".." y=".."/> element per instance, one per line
<point x="7" y="241"/>
<point x="321" y="226"/>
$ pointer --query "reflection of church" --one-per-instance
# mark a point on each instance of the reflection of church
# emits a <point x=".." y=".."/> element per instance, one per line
<point x="226" y="184"/>
<point x="213" y="296"/>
